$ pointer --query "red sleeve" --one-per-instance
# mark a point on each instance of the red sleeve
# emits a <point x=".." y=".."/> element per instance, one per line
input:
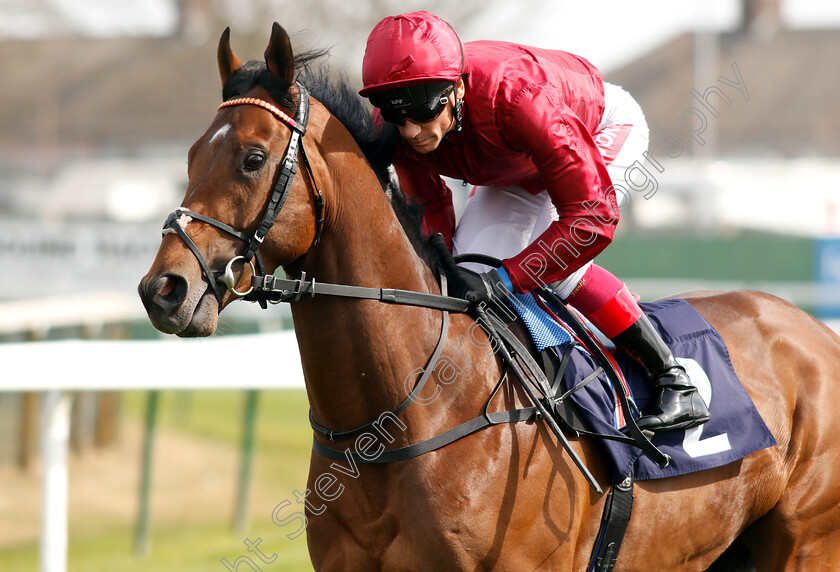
<point x="540" y="125"/>
<point x="429" y="190"/>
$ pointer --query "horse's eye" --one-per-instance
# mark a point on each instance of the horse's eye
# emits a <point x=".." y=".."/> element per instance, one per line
<point x="254" y="161"/>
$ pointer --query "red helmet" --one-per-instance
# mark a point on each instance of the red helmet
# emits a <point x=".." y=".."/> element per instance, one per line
<point x="409" y="49"/>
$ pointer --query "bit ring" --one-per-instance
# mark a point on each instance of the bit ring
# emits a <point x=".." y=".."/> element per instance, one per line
<point x="229" y="279"/>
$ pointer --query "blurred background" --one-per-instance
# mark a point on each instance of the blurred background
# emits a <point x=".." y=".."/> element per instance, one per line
<point x="99" y="103"/>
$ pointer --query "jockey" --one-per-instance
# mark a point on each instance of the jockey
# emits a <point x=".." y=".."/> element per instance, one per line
<point x="541" y="138"/>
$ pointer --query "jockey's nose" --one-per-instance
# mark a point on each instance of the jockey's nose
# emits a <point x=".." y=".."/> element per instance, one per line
<point x="408" y="129"/>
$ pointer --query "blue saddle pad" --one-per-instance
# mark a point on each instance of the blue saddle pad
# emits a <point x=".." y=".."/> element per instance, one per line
<point x="734" y="430"/>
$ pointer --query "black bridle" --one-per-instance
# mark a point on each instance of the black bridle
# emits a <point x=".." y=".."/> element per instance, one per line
<point x="178" y="219"/>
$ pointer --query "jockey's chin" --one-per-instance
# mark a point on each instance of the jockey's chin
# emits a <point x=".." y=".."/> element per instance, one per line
<point x="424" y="145"/>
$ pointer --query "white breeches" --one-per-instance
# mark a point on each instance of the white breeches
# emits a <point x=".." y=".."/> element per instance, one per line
<point x="502" y="221"/>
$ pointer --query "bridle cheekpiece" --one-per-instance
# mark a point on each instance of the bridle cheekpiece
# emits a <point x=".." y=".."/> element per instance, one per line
<point x="180" y="217"/>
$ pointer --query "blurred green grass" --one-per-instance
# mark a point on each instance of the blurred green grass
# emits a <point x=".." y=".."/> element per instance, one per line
<point x="175" y="549"/>
<point x="282" y="446"/>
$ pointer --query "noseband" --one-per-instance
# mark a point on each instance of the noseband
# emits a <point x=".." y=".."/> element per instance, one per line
<point x="178" y="219"/>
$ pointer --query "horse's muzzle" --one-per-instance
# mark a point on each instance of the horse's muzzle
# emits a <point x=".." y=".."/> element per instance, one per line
<point x="166" y="298"/>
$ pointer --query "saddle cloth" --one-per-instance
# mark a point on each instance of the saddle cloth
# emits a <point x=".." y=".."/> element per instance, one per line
<point x="734" y="430"/>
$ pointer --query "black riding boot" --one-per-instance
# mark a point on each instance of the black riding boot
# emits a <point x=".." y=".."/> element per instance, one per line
<point x="678" y="404"/>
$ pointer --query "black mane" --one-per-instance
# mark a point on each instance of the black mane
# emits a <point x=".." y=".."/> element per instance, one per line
<point x="378" y="142"/>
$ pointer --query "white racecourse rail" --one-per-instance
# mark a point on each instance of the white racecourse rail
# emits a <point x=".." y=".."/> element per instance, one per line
<point x="55" y="368"/>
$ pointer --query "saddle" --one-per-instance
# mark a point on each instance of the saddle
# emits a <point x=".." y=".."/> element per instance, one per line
<point x="557" y="332"/>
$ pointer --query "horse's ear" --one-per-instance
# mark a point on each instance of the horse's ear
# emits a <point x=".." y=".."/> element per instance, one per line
<point x="278" y="54"/>
<point x="228" y="62"/>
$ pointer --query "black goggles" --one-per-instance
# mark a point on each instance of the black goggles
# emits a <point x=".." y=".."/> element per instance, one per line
<point x="417" y="103"/>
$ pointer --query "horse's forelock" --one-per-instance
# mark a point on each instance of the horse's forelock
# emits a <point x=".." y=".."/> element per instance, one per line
<point x="254" y="74"/>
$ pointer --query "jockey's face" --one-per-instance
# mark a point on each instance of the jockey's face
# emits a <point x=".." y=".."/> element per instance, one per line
<point x="425" y="137"/>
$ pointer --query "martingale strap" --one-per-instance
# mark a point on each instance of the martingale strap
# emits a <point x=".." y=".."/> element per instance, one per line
<point x="413" y="450"/>
<point x="545" y="406"/>
<point x="409" y="451"/>
<point x="412" y="397"/>
<point x="458" y="432"/>
<point x="416" y="449"/>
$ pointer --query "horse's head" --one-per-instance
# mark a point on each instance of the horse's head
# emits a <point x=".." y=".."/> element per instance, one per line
<point x="238" y="172"/>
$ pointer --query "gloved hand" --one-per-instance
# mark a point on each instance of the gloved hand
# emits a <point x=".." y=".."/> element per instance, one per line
<point x="476" y="288"/>
<point x="488" y="287"/>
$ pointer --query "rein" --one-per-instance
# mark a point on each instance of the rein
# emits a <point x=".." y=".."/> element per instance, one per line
<point x="178" y="219"/>
<point x="273" y="289"/>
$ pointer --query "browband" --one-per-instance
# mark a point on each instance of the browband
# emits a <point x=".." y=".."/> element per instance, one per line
<point x="276" y="111"/>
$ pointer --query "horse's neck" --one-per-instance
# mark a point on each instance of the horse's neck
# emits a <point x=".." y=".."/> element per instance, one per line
<point x="370" y="248"/>
<point x="357" y="353"/>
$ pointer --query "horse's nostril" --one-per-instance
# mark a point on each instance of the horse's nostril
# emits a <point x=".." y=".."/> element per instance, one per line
<point x="166" y="287"/>
<point x="169" y="290"/>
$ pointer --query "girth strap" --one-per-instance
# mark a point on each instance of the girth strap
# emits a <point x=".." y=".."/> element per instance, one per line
<point x="614" y="522"/>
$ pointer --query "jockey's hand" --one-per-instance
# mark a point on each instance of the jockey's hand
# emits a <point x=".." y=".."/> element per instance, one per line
<point x="488" y="287"/>
<point x="476" y="288"/>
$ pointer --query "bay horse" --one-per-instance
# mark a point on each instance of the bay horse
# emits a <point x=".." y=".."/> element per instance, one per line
<point x="507" y="497"/>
